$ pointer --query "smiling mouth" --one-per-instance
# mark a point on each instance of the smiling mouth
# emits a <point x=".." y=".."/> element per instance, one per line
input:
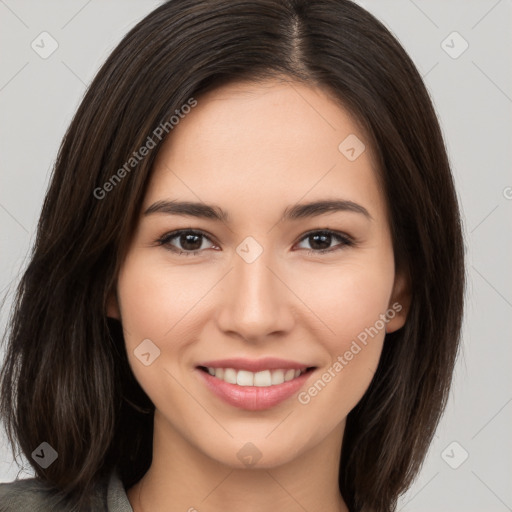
<point x="264" y="378"/>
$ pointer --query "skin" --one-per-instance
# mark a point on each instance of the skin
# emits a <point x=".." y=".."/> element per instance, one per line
<point x="254" y="150"/>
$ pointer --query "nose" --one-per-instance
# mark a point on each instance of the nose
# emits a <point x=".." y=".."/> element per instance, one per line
<point x="256" y="301"/>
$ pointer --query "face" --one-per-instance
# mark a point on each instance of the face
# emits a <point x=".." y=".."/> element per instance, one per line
<point x="287" y="305"/>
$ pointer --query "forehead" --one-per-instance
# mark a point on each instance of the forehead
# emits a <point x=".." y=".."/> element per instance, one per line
<point x="267" y="142"/>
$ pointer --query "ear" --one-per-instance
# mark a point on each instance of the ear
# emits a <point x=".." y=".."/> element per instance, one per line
<point x="399" y="303"/>
<point x="113" y="306"/>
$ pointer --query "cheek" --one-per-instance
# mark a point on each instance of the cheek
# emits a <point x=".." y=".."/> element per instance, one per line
<point x="348" y="299"/>
<point x="158" y="303"/>
<point x="156" y="299"/>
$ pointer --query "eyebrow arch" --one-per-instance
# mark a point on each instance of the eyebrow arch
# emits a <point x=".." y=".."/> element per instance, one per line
<point x="298" y="211"/>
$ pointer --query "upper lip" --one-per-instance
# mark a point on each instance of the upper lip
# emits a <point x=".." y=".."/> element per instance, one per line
<point x="255" y="365"/>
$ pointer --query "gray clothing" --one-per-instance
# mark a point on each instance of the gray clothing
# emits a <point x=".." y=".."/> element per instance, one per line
<point x="33" y="495"/>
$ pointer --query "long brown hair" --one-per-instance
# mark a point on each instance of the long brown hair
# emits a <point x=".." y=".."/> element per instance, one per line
<point x="66" y="378"/>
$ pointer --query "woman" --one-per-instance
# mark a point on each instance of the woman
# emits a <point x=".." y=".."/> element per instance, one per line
<point x="175" y="345"/>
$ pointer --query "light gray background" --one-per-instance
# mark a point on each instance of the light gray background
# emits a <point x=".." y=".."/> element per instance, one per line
<point x="473" y="97"/>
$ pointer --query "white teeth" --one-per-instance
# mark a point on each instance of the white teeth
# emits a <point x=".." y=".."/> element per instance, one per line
<point x="229" y="375"/>
<point x="244" y="378"/>
<point x="277" y="377"/>
<point x="262" y="379"/>
<point x="289" y="375"/>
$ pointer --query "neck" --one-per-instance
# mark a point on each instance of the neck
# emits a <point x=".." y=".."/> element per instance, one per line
<point x="181" y="478"/>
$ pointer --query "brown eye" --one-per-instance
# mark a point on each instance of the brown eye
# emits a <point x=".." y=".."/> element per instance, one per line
<point x="320" y="241"/>
<point x="184" y="242"/>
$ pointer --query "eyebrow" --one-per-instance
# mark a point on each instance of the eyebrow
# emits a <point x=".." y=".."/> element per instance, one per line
<point x="298" y="211"/>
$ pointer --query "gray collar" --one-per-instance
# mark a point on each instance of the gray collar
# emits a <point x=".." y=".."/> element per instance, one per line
<point x="117" y="500"/>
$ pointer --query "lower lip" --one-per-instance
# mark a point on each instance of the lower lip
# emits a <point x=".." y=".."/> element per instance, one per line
<point x="254" y="398"/>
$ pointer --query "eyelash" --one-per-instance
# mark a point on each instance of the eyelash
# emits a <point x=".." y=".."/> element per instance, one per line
<point x="346" y="241"/>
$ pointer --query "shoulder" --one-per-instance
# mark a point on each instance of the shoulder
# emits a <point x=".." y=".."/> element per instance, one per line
<point x="36" y="495"/>
<point x="30" y="494"/>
